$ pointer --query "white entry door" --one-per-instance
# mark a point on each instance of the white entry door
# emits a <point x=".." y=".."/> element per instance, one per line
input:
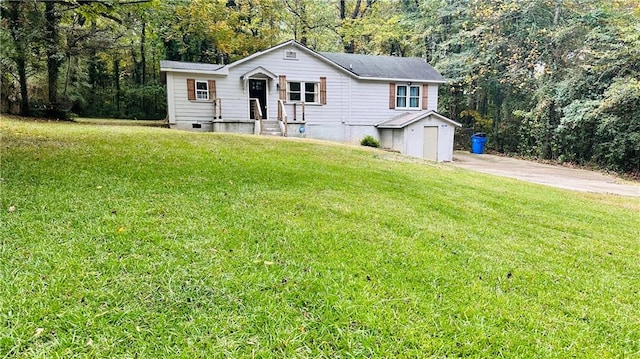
<point x="430" y="143"/>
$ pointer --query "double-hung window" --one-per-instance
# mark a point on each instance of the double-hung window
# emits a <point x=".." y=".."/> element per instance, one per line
<point x="407" y="96"/>
<point x="302" y="91"/>
<point x="202" y="90"/>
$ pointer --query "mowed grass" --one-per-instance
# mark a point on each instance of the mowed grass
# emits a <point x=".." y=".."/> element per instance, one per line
<point x="146" y="242"/>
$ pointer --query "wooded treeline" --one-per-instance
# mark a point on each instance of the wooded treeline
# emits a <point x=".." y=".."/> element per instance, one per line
<point x="553" y="79"/>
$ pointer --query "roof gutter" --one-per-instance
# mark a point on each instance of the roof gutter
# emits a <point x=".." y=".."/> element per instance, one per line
<point x="401" y="80"/>
<point x="204" y="72"/>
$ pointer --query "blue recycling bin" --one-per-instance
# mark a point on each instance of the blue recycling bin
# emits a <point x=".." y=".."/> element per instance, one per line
<point x="477" y="142"/>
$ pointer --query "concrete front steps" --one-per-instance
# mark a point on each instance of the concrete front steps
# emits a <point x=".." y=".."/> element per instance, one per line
<point x="271" y="128"/>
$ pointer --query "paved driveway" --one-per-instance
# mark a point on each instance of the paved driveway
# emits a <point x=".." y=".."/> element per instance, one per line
<point x="556" y="176"/>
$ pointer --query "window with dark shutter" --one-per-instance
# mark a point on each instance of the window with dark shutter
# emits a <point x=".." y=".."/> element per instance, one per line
<point x="425" y="96"/>
<point x="191" y="89"/>
<point x="323" y="90"/>
<point x="202" y="90"/>
<point x="392" y="95"/>
<point x="407" y="96"/>
<point x="282" y="83"/>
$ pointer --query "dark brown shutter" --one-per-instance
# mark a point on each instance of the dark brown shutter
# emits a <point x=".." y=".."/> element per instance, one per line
<point x="191" y="89"/>
<point x="392" y="95"/>
<point x="323" y="90"/>
<point x="425" y="96"/>
<point x="283" y="87"/>
<point x="212" y="90"/>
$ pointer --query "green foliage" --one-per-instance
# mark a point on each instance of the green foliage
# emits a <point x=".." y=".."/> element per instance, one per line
<point x="618" y="128"/>
<point x="370" y="141"/>
<point x="142" y="242"/>
<point x="576" y="130"/>
<point x="478" y="122"/>
<point x="532" y="67"/>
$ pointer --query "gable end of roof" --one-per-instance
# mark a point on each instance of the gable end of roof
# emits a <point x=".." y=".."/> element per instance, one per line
<point x="363" y="67"/>
<point x="407" y="118"/>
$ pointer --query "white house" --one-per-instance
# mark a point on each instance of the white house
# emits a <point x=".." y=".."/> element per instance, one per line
<point x="291" y="90"/>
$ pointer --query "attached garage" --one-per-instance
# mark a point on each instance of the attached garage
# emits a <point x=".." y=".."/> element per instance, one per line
<point x="424" y="134"/>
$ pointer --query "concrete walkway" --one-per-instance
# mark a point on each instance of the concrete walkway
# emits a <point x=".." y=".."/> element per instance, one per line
<point x="551" y="175"/>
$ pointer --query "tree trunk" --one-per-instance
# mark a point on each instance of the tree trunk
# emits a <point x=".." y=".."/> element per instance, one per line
<point x="143" y="58"/>
<point x="556" y="16"/>
<point x="52" y="51"/>
<point x="116" y="79"/>
<point x="22" y="78"/>
<point x="303" y="31"/>
<point x="20" y="57"/>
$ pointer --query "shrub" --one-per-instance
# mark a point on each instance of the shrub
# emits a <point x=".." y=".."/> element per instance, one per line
<point x="370" y="141"/>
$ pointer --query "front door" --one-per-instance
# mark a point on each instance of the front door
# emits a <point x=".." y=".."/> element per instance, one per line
<point x="430" y="149"/>
<point x="258" y="90"/>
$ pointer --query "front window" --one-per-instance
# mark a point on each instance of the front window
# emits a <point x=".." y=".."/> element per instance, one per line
<point x="293" y="91"/>
<point x="408" y="96"/>
<point x="297" y="91"/>
<point x="311" y="92"/>
<point x="202" y="90"/>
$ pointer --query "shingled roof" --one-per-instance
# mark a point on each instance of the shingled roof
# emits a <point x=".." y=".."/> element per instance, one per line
<point x="373" y="67"/>
<point x="385" y="67"/>
<point x="405" y="119"/>
<point x="188" y="66"/>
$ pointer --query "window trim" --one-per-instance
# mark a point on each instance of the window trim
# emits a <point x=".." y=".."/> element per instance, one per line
<point x="200" y="92"/>
<point x="303" y="92"/>
<point x="408" y="97"/>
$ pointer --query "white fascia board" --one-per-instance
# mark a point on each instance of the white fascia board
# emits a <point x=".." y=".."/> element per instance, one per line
<point x="444" y="118"/>
<point x="260" y="53"/>
<point x="259" y="70"/>
<point x="402" y="80"/>
<point x="301" y="47"/>
<point x="418" y="118"/>
<point x="328" y="61"/>
<point x="220" y="72"/>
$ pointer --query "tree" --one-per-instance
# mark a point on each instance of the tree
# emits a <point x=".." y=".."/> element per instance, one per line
<point x="18" y="21"/>
<point x="312" y="23"/>
<point x="376" y="28"/>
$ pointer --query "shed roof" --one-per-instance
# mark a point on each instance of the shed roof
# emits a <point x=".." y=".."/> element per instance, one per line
<point x="405" y="119"/>
<point x="385" y="67"/>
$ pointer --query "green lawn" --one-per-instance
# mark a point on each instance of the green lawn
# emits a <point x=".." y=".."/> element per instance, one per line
<point x="147" y="242"/>
<point x="120" y="122"/>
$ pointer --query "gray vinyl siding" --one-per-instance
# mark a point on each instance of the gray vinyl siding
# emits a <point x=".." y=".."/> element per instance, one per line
<point x="370" y="102"/>
<point x="181" y="109"/>
<point x="414" y="138"/>
<point x="323" y="121"/>
<point x="353" y="106"/>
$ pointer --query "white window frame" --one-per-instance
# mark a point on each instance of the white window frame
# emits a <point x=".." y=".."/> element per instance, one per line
<point x="202" y="94"/>
<point x="408" y="96"/>
<point x="303" y="91"/>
